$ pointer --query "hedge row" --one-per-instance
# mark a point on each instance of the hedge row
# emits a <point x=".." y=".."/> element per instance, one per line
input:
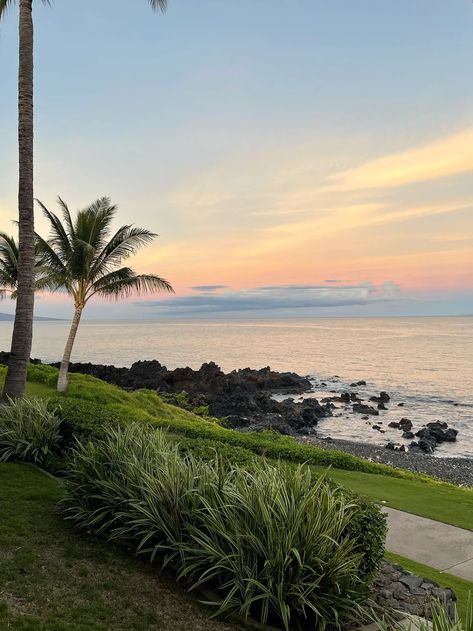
<point x="276" y="543"/>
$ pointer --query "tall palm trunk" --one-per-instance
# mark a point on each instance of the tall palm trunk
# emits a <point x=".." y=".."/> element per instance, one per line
<point x="63" y="379"/>
<point x="23" y="327"/>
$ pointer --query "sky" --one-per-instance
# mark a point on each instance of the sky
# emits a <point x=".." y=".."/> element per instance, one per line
<point x="297" y="157"/>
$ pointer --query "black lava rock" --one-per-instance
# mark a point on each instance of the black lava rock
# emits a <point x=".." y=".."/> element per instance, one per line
<point x="361" y="408"/>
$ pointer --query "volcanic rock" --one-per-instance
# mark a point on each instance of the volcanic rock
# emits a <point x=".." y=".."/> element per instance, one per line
<point x="361" y="408"/>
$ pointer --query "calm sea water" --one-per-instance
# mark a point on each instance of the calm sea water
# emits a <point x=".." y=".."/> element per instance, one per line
<point x="426" y="363"/>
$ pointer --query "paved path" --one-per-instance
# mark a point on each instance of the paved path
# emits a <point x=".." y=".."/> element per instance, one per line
<point x="441" y="546"/>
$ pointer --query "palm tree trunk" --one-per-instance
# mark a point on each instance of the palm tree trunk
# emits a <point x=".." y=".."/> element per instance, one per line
<point x="23" y="327"/>
<point x="63" y="380"/>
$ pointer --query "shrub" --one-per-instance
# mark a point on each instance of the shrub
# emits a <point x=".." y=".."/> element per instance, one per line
<point x="82" y="420"/>
<point x="210" y="450"/>
<point x="42" y="373"/>
<point x="28" y="431"/>
<point x="272" y="542"/>
<point x="368" y="528"/>
<point x="146" y="406"/>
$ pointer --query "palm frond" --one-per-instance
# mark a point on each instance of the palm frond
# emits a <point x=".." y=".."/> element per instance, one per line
<point x="67" y="217"/>
<point x="92" y="224"/>
<point x="158" y="5"/>
<point x="80" y="257"/>
<point x="50" y="258"/>
<point x="5" y="4"/>
<point x="8" y="262"/>
<point x="49" y="281"/>
<point x="124" y="282"/>
<point x="124" y="243"/>
<point x="45" y="271"/>
<point x="58" y="237"/>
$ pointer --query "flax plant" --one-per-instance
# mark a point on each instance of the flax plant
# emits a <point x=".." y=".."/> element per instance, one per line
<point x="28" y="430"/>
<point x="272" y="542"/>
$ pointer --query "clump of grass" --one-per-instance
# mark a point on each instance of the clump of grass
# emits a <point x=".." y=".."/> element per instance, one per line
<point x="29" y="431"/>
<point x="273" y="543"/>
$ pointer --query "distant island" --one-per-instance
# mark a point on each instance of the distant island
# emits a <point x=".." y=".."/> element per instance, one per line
<point x="9" y="317"/>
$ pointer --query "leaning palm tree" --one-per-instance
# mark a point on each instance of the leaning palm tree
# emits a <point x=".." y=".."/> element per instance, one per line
<point x="83" y="258"/>
<point x="23" y="327"/>
<point x="9" y="255"/>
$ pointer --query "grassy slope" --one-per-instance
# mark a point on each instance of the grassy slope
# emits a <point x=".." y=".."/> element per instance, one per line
<point x="461" y="587"/>
<point x="442" y="502"/>
<point x="53" y="579"/>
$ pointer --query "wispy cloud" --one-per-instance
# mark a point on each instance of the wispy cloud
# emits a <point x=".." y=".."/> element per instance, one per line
<point x="275" y="298"/>
<point x="452" y="155"/>
<point x="208" y="288"/>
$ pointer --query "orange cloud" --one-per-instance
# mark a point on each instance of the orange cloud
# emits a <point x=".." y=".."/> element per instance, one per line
<point x="445" y="157"/>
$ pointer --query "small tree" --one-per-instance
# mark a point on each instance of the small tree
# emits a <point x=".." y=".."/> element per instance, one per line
<point x="83" y="259"/>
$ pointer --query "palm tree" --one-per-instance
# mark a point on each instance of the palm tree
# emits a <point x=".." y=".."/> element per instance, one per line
<point x="23" y="326"/>
<point x="83" y="258"/>
<point x="9" y="254"/>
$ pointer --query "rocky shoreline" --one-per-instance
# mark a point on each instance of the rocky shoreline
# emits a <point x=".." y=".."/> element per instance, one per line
<point x="252" y="400"/>
<point x="456" y="470"/>
<point x="244" y="398"/>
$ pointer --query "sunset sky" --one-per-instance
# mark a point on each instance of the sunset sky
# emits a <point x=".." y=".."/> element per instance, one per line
<point x="296" y="157"/>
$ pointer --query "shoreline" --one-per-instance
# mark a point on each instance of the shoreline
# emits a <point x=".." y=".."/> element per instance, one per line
<point x="458" y="471"/>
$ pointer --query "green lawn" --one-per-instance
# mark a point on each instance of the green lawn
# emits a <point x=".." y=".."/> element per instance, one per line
<point x="35" y="389"/>
<point x="461" y="587"/>
<point x="54" y="579"/>
<point x="446" y="503"/>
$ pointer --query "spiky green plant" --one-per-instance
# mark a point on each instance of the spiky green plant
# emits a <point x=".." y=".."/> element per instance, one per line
<point x="29" y="431"/>
<point x="272" y="542"/>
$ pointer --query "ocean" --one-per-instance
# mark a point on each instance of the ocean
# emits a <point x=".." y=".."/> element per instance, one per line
<point x="424" y="363"/>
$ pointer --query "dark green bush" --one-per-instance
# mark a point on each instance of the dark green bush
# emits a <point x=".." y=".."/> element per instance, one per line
<point x="209" y="450"/>
<point x="42" y="373"/>
<point x="83" y="420"/>
<point x="368" y="528"/>
<point x="269" y="444"/>
<point x="273" y="542"/>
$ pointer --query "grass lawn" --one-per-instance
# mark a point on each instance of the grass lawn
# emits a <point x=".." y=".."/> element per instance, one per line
<point x="445" y="503"/>
<point x="54" y="579"/>
<point x="461" y="587"/>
